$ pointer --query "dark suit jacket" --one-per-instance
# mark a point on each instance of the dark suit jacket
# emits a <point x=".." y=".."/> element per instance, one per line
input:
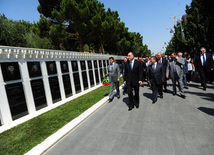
<point x="143" y="67"/>
<point x="158" y="75"/>
<point x="132" y="77"/>
<point x="164" y="65"/>
<point x="209" y="62"/>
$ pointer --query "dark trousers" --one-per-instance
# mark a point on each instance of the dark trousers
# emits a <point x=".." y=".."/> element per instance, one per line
<point x="204" y="75"/>
<point x="189" y="76"/>
<point x="156" y="89"/>
<point x="212" y="76"/>
<point x="130" y="94"/>
<point x="164" y="84"/>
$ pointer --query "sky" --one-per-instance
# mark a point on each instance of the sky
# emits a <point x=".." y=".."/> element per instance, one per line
<point x="148" y="17"/>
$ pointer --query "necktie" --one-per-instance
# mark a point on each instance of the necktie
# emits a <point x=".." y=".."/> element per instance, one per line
<point x="204" y="61"/>
<point x="111" y="66"/>
<point x="153" y="67"/>
<point x="131" y="65"/>
<point x="174" y="61"/>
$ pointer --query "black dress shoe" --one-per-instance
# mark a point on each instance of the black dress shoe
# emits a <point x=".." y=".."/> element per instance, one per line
<point x="174" y="94"/>
<point x="161" y="96"/>
<point x="153" y="102"/>
<point x="183" y="96"/>
<point x="110" y="100"/>
<point x="130" y="109"/>
<point x="186" y="87"/>
<point x="118" y="96"/>
<point x="204" y="88"/>
<point x="165" y="90"/>
<point x="137" y="106"/>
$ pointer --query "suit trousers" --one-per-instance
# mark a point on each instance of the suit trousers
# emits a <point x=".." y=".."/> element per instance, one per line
<point x="164" y="84"/>
<point x="130" y="94"/>
<point x="180" y="83"/>
<point x="111" y="94"/>
<point x="185" y="80"/>
<point x="156" y="89"/>
<point x="204" y="75"/>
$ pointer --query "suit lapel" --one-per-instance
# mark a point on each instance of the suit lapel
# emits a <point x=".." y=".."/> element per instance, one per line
<point x="134" y="65"/>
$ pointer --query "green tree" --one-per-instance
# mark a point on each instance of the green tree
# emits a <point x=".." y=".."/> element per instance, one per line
<point x="12" y="32"/>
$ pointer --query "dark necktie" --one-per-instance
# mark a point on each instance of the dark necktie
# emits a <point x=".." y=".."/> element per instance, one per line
<point x="204" y="61"/>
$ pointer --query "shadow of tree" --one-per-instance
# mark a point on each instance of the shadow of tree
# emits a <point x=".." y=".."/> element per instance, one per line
<point x="208" y="111"/>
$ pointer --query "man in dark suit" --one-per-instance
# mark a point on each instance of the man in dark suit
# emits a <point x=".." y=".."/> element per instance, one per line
<point x="143" y="67"/>
<point x="156" y="77"/>
<point x="163" y="61"/>
<point x="123" y="71"/>
<point x="133" y="78"/>
<point x="204" y="65"/>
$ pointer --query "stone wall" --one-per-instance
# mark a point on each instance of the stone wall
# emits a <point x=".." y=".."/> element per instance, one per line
<point x="33" y="80"/>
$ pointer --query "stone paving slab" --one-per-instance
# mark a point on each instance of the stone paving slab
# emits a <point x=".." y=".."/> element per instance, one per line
<point x="171" y="126"/>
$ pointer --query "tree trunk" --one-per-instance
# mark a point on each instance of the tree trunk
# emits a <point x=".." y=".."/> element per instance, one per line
<point x="80" y="42"/>
<point x="101" y="43"/>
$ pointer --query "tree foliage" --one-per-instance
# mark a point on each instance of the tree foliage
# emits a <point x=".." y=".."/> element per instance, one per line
<point x="198" y="28"/>
<point x="75" y="25"/>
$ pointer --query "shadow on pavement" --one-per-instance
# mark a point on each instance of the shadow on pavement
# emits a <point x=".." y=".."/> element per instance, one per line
<point x="126" y="101"/>
<point x="148" y="95"/>
<point x="208" y="111"/>
<point x="204" y="95"/>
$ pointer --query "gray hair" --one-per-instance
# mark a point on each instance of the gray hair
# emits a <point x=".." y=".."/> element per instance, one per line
<point x="202" y="48"/>
<point x="180" y="53"/>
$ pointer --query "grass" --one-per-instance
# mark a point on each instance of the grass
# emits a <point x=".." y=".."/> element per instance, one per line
<point x="25" y="136"/>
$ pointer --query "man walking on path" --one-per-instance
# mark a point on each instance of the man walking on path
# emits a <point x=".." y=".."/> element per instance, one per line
<point x="176" y="72"/>
<point x="123" y="71"/>
<point x="204" y="65"/>
<point x="133" y="78"/>
<point x="185" y="67"/>
<point x="114" y="78"/>
<point x="156" y="77"/>
<point x="163" y="61"/>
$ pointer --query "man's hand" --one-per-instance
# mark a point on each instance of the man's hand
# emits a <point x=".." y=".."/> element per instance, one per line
<point x="148" y="81"/>
<point x="118" y="80"/>
<point x="105" y="75"/>
<point x="167" y="76"/>
<point x="124" y="82"/>
<point x="140" y="82"/>
<point x="211" y="69"/>
<point x="176" y="57"/>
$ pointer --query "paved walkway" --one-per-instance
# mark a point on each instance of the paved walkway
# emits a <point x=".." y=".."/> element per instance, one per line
<point x="171" y="126"/>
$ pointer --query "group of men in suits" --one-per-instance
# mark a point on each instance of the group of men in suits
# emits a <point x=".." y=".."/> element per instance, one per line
<point x="159" y="71"/>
